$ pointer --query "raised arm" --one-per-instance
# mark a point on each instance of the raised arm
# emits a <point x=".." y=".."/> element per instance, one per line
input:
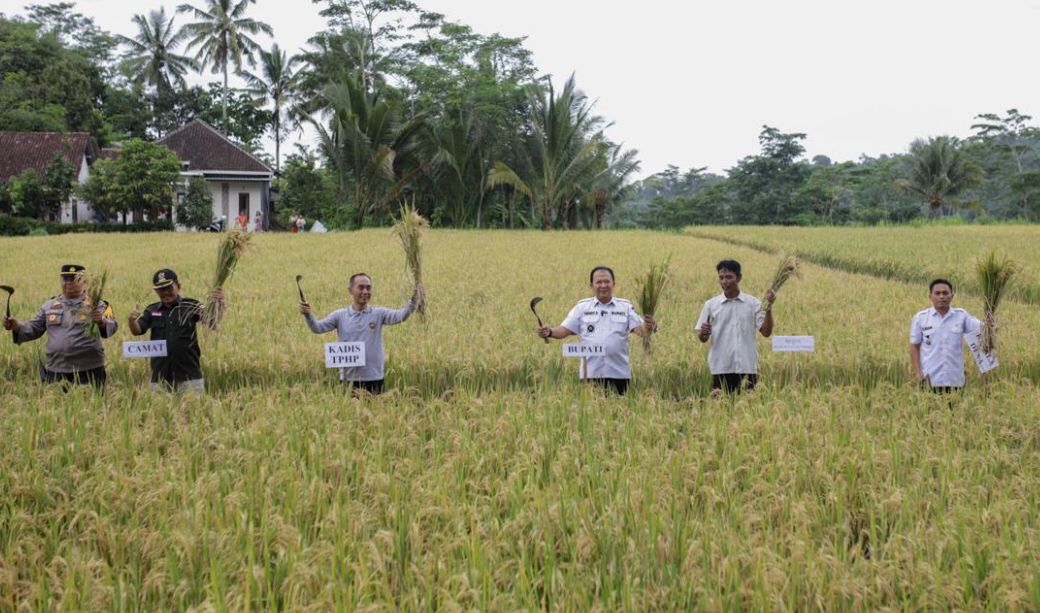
<point x="395" y="316"/>
<point x="317" y="326"/>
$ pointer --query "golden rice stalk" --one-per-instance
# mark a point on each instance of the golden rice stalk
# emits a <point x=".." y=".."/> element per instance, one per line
<point x="95" y="292"/>
<point x="787" y="267"/>
<point x="651" y="286"/>
<point x="408" y="229"/>
<point x="994" y="275"/>
<point x="231" y="248"/>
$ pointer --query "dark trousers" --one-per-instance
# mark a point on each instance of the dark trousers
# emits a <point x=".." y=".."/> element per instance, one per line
<point x="372" y="387"/>
<point x="94" y="376"/>
<point x="619" y="386"/>
<point x="734" y="382"/>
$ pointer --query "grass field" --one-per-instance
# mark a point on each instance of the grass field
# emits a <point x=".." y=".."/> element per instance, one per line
<point x="488" y="477"/>
<point x="903" y="253"/>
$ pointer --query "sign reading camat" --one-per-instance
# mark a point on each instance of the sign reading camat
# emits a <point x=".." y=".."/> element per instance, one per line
<point x="144" y="349"/>
<point x="583" y="350"/>
<point x="344" y="355"/>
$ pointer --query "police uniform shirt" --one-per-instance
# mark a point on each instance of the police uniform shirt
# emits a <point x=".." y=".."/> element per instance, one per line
<point x="734" y="323"/>
<point x="70" y="348"/>
<point x="353" y="326"/>
<point x="609" y="325"/>
<point x="942" y="344"/>
<point x="175" y="324"/>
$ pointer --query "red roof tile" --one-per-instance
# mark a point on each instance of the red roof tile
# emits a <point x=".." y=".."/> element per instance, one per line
<point x="22" y="150"/>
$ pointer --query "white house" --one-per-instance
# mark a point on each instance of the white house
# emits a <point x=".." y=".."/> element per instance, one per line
<point x="20" y="151"/>
<point x="239" y="182"/>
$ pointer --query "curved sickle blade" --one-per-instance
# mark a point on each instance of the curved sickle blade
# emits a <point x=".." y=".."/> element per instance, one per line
<point x="534" y="303"/>
<point x="10" y="292"/>
<point x="298" y="279"/>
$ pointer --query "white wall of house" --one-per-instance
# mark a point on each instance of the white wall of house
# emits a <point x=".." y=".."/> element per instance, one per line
<point x="228" y="196"/>
<point x="76" y="210"/>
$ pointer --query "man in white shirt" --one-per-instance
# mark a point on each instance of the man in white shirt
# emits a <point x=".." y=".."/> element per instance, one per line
<point x="937" y="340"/>
<point x="605" y="320"/>
<point x="730" y="321"/>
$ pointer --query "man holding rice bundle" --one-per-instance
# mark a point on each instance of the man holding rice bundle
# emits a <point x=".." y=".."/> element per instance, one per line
<point x="730" y="320"/>
<point x="174" y="319"/>
<point x="937" y="340"/>
<point x="604" y="319"/>
<point x="73" y="354"/>
<point x="361" y="322"/>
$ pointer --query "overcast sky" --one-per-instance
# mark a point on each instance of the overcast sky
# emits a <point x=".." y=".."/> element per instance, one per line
<point x="691" y="83"/>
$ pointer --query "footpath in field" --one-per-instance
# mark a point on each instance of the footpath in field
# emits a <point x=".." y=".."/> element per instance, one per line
<point x="912" y="254"/>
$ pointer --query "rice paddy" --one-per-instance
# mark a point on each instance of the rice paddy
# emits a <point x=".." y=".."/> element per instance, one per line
<point x="488" y="477"/>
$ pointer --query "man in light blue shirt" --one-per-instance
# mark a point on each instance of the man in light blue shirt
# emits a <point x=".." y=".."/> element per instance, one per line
<point x="363" y="323"/>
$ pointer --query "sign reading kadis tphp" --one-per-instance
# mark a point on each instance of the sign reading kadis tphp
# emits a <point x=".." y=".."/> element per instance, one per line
<point x="144" y="349"/>
<point x="344" y="355"/>
<point x="583" y="350"/>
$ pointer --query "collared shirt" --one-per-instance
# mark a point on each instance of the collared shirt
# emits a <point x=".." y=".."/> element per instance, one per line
<point x="942" y="344"/>
<point x="609" y="325"/>
<point x="734" y="323"/>
<point x="366" y="327"/>
<point x="69" y="347"/>
<point x="175" y="324"/>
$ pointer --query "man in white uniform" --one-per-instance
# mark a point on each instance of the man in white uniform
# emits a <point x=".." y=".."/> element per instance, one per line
<point x="937" y="340"/>
<point x="604" y="320"/>
<point x="730" y="320"/>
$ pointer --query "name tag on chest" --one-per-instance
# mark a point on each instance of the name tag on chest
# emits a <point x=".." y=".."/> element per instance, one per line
<point x="344" y="355"/>
<point x="583" y="350"/>
<point x="144" y="349"/>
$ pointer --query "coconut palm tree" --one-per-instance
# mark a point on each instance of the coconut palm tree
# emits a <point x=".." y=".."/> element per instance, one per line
<point x="276" y="83"/>
<point x="223" y="36"/>
<point x="151" y="57"/>
<point x="939" y="172"/>
<point x="373" y="150"/>
<point x="610" y="185"/>
<point x="565" y="143"/>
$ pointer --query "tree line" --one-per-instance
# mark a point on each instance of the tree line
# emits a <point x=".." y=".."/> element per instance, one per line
<point x="409" y="106"/>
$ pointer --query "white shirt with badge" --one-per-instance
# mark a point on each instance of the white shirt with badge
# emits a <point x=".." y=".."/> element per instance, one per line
<point x="734" y="324"/>
<point x="608" y="324"/>
<point x="942" y="344"/>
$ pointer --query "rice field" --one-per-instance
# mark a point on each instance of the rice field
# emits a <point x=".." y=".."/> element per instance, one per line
<point x="904" y="253"/>
<point x="488" y="477"/>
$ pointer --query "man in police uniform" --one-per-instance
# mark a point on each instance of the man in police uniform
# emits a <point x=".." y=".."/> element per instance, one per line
<point x="730" y="320"/>
<point x="173" y="319"/>
<point x="604" y="319"/>
<point x="363" y="323"/>
<point x="73" y="356"/>
<point x="937" y="340"/>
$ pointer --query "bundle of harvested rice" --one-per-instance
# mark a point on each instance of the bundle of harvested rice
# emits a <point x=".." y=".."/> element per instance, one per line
<point x="994" y="275"/>
<point x="651" y="285"/>
<point x="231" y="248"/>
<point x="408" y="229"/>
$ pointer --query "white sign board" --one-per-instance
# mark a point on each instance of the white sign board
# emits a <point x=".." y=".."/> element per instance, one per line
<point x="794" y="344"/>
<point x="583" y="350"/>
<point x="985" y="361"/>
<point x="344" y="355"/>
<point x="144" y="349"/>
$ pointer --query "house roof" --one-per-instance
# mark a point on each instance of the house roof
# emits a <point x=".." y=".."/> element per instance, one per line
<point x="203" y="148"/>
<point x="22" y="150"/>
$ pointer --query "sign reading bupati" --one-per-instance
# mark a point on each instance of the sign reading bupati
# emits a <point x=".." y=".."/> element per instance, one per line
<point x="144" y="349"/>
<point x="583" y="350"/>
<point x="985" y="361"/>
<point x="344" y="355"/>
<point x="794" y="344"/>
